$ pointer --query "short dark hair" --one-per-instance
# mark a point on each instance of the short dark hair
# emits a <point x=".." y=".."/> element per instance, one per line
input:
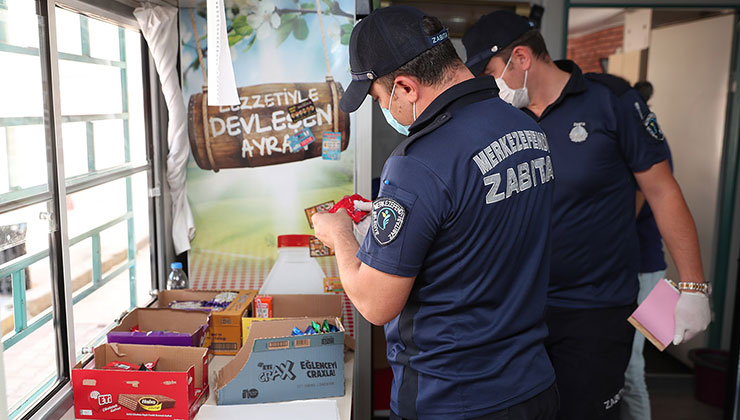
<point x="532" y="39"/>
<point x="430" y="67"/>
<point x="645" y="89"/>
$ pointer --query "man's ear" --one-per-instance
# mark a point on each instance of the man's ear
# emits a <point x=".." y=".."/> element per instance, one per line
<point x="407" y="87"/>
<point x="522" y="56"/>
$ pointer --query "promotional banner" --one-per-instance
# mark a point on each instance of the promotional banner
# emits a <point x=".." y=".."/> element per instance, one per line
<point x="257" y="166"/>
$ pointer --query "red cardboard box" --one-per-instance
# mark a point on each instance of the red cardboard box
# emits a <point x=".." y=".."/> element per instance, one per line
<point x="175" y="390"/>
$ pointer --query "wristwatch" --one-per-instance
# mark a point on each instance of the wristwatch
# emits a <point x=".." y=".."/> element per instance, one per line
<point x="686" y="286"/>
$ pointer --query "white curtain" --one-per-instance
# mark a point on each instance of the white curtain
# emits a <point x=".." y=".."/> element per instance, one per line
<point x="159" y="27"/>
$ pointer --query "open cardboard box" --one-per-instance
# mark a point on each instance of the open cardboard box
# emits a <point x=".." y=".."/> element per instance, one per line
<point x="166" y="327"/>
<point x="175" y="390"/>
<point x="225" y="332"/>
<point x="325" y="306"/>
<point x="274" y="366"/>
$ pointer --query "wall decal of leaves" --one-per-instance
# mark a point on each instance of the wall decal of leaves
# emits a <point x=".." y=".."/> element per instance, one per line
<point x="251" y="21"/>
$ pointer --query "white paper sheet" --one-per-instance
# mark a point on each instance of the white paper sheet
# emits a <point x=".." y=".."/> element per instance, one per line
<point x="221" y="82"/>
<point x="292" y="410"/>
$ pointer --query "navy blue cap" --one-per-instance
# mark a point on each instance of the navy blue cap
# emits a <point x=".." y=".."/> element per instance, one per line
<point x="490" y="34"/>
<point x="382" y="42"/>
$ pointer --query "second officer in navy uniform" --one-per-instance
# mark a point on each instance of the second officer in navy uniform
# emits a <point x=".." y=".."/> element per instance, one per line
<point x="605" y="142"/>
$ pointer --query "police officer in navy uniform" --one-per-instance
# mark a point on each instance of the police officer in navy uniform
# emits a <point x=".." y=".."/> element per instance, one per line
<point x="456" y="260"/>
<point x="605" y="142"/>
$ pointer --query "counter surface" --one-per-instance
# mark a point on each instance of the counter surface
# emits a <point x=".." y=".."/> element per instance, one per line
<point x="344" y="403"/>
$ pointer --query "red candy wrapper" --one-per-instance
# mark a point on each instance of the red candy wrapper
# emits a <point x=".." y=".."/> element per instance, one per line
<point x="348" y="203"/>
<point x="118" y="365"/>
<point x="151" y="366"/>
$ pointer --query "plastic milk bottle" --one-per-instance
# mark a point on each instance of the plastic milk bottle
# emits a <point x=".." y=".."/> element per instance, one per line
<point x="294" y="272"/>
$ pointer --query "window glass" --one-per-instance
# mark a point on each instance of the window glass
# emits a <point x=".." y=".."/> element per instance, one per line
<point x="103" y="127"/>
<point x="69" y="38"/>
<point x="104" y="40"/>
<point x="25" y="303"/>
<point x="89" y="89"/>
<point x="75" y="143"/>
<point x="26" y="331"/>
<point x="109" y="279"/>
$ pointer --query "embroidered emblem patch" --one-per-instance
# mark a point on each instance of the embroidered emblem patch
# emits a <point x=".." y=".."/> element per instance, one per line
<point x="651" y="126"/>
<point x="387" y="220"/>
<point x="578" y="133"/>
<point x="650" y="122"/>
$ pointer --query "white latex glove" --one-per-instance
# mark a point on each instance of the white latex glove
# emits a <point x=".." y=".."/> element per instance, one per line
<point x="363" y="205"/>
<point x="364" y="224"/>
<point x="692" y="316"/>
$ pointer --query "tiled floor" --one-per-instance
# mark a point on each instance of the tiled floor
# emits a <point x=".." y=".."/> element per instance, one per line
<point x="671" y="387"/>
<point x="672" y="398"/>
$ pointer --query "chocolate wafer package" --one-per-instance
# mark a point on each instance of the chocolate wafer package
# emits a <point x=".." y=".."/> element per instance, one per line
<point x="145" y="402"/>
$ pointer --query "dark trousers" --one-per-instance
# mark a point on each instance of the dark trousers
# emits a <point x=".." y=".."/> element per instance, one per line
<point x="589" y="349"/>
<point x="542" y="406"/>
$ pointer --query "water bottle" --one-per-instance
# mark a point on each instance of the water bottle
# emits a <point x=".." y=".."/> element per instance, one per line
<point x="177" y="278"/>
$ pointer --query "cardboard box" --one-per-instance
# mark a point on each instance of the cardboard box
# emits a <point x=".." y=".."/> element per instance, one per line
<point x="175" y="390"/>
<point x="225" y="332"/>
<point x="324" y="306"/>
<point x="273" y="366"/>
<point x="166" y="327"/>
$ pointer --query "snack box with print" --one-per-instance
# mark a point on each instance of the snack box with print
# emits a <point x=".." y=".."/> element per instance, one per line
<point x="175" y="389"/>
<point x="324" y="306"/>
<point x="158" y="326"/>
<point x="275" y="366"/>
<point x="225" y="333"/>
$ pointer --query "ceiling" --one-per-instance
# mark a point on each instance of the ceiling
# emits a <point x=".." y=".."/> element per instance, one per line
<point x="585" y="20"/>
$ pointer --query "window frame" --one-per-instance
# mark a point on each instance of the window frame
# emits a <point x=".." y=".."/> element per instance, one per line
<point x="55" y="393"/>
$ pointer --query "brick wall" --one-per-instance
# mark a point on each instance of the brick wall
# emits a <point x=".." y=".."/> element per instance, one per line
<point x="586" y="50"/>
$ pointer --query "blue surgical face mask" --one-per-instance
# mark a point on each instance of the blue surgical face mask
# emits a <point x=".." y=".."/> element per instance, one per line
<point x="403" y="129"/>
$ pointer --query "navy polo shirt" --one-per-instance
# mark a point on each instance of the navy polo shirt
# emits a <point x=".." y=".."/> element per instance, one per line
<point x="464" y="207"/>
<point x="652" y="258"/>
<point x="599" y="138"/>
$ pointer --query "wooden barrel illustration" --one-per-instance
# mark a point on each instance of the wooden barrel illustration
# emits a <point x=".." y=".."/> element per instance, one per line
<point x="255" y="132"/>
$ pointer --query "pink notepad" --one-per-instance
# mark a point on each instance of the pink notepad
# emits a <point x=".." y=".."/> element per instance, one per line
<point x="654" y="318"/>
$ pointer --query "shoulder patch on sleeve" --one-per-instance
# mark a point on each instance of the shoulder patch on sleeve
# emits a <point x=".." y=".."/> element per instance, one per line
<point x="388" y="217"/>
<point x="651" y="126"/>
<point x="617" y="85"/>
<point x="650" y="122"/>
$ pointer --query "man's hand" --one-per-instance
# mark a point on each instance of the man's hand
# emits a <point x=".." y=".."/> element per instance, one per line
<point x="692" y="316"/>
<point x="329" y="226"/>
<point x="378" y="296"/>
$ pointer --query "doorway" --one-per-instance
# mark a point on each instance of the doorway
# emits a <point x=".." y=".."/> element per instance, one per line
<point x="687" y="56"/>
